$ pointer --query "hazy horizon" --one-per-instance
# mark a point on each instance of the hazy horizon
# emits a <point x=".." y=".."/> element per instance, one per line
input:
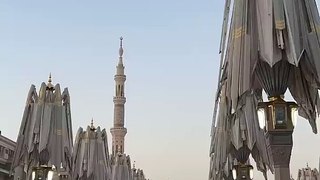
<point x="171" y="61"/>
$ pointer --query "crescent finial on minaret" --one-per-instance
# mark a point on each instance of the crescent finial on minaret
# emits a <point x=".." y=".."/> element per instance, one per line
<point x="121" y="49"/>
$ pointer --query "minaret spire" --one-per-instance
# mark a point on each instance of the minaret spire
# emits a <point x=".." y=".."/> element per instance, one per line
<point x="121" y="48"/>
<point x="119" y="131"/>
<point x="120" y="67"/>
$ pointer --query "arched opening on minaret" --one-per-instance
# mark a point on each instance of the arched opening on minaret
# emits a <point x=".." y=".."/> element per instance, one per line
<point x="121" y="91"/>
<point x="118" y="90"/>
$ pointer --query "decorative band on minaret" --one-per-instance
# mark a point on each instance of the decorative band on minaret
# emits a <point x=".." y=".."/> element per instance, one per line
<point x="119" y="131"/>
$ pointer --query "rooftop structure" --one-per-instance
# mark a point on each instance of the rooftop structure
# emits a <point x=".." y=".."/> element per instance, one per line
<point x="7" y="147"/>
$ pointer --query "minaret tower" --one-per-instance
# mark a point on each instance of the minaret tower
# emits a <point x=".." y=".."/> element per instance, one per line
<point x="119" y="131"/>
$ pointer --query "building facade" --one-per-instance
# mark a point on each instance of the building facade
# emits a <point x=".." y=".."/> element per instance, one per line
<point x="7" y="147"/>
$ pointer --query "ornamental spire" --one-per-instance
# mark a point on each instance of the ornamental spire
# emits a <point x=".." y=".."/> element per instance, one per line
<point x="92" y="128"/>
<point x="121" y="48"/>
<point x="120" y="67"/>
<point x="50" y="85"/>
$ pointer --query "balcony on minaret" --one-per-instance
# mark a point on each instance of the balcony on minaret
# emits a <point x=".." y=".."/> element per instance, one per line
<point x="119" y="100"/>
<point x="120" y="78"/>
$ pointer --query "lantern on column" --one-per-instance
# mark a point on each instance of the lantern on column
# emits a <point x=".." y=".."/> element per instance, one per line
<point x="242" y="171"/>
<point x="277" y="115"/>
<point x="43" y="173"/>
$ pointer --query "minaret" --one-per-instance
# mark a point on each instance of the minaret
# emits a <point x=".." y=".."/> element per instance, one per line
<point x="119" y="131"/>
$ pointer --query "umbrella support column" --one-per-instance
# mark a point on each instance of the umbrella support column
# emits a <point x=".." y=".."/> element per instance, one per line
<point x="280" y="147"/>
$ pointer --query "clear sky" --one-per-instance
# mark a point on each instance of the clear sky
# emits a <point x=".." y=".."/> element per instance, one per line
<point x="171" y="58"/>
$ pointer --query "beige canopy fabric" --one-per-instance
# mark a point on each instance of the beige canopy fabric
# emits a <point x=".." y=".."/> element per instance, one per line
<point x="291" y="36"/>
<point x="220" y="142"/>
<point x="137" y="174"/>
<point x="239" y="110"/>
<point x="121" y="167"/>
<point x="91" y="159"/>
<point x="242" y="50"/>
<point x="235" y="136"/>
<point x="45" y="135"/>
<point x="275" y="32"/>
<point x="272" y="45"/>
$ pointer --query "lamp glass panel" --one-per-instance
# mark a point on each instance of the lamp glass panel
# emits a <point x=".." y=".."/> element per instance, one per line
<point x="33" y="175"/>
<point x="251" y="173"/>
<point x="280" y="115"/>
<point x="262" y="117"/>
<point x="294" y="116"/>
<point x="50" y="175"/>
<point x="234" y="173"/>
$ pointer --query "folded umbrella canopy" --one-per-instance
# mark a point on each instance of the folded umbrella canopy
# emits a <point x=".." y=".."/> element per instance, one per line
<point x="137" y="174"/>
<point x="91" y="159"/>
<point x="238" y="136"/>
<point x="308" y="173"/>
<point x="221" y="157"/>
<point x="45" y="135"/>
<point x="289" y="52"/>
<point x="121" y="167"/>
<point x="272" y="45"/>
<point x="234" y="137"/>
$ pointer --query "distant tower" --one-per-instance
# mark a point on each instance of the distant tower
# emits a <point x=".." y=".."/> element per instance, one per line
<point x="119" y="131"/>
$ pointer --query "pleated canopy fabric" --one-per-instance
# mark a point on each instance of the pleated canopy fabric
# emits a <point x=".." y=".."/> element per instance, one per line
<point x="272" y="45"/>
<point x="289" y="44"/>
<point x="236" y="136"/>
<point x="45" y="135"/>
<point x="308" y="173"/>
<point x="91" y="159"/>
<point x="138" y="174"/>
<point x="221" y="159"/>
<point x="121" y="167"/>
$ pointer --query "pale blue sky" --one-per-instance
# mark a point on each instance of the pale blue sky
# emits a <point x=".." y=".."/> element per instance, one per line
<point x="171" y="58"/>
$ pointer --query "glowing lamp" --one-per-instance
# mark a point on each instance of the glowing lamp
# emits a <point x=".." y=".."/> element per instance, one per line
<point x="242" y="171"/>
<point x="277" y="115"/>
<point x="42" y="172"/>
